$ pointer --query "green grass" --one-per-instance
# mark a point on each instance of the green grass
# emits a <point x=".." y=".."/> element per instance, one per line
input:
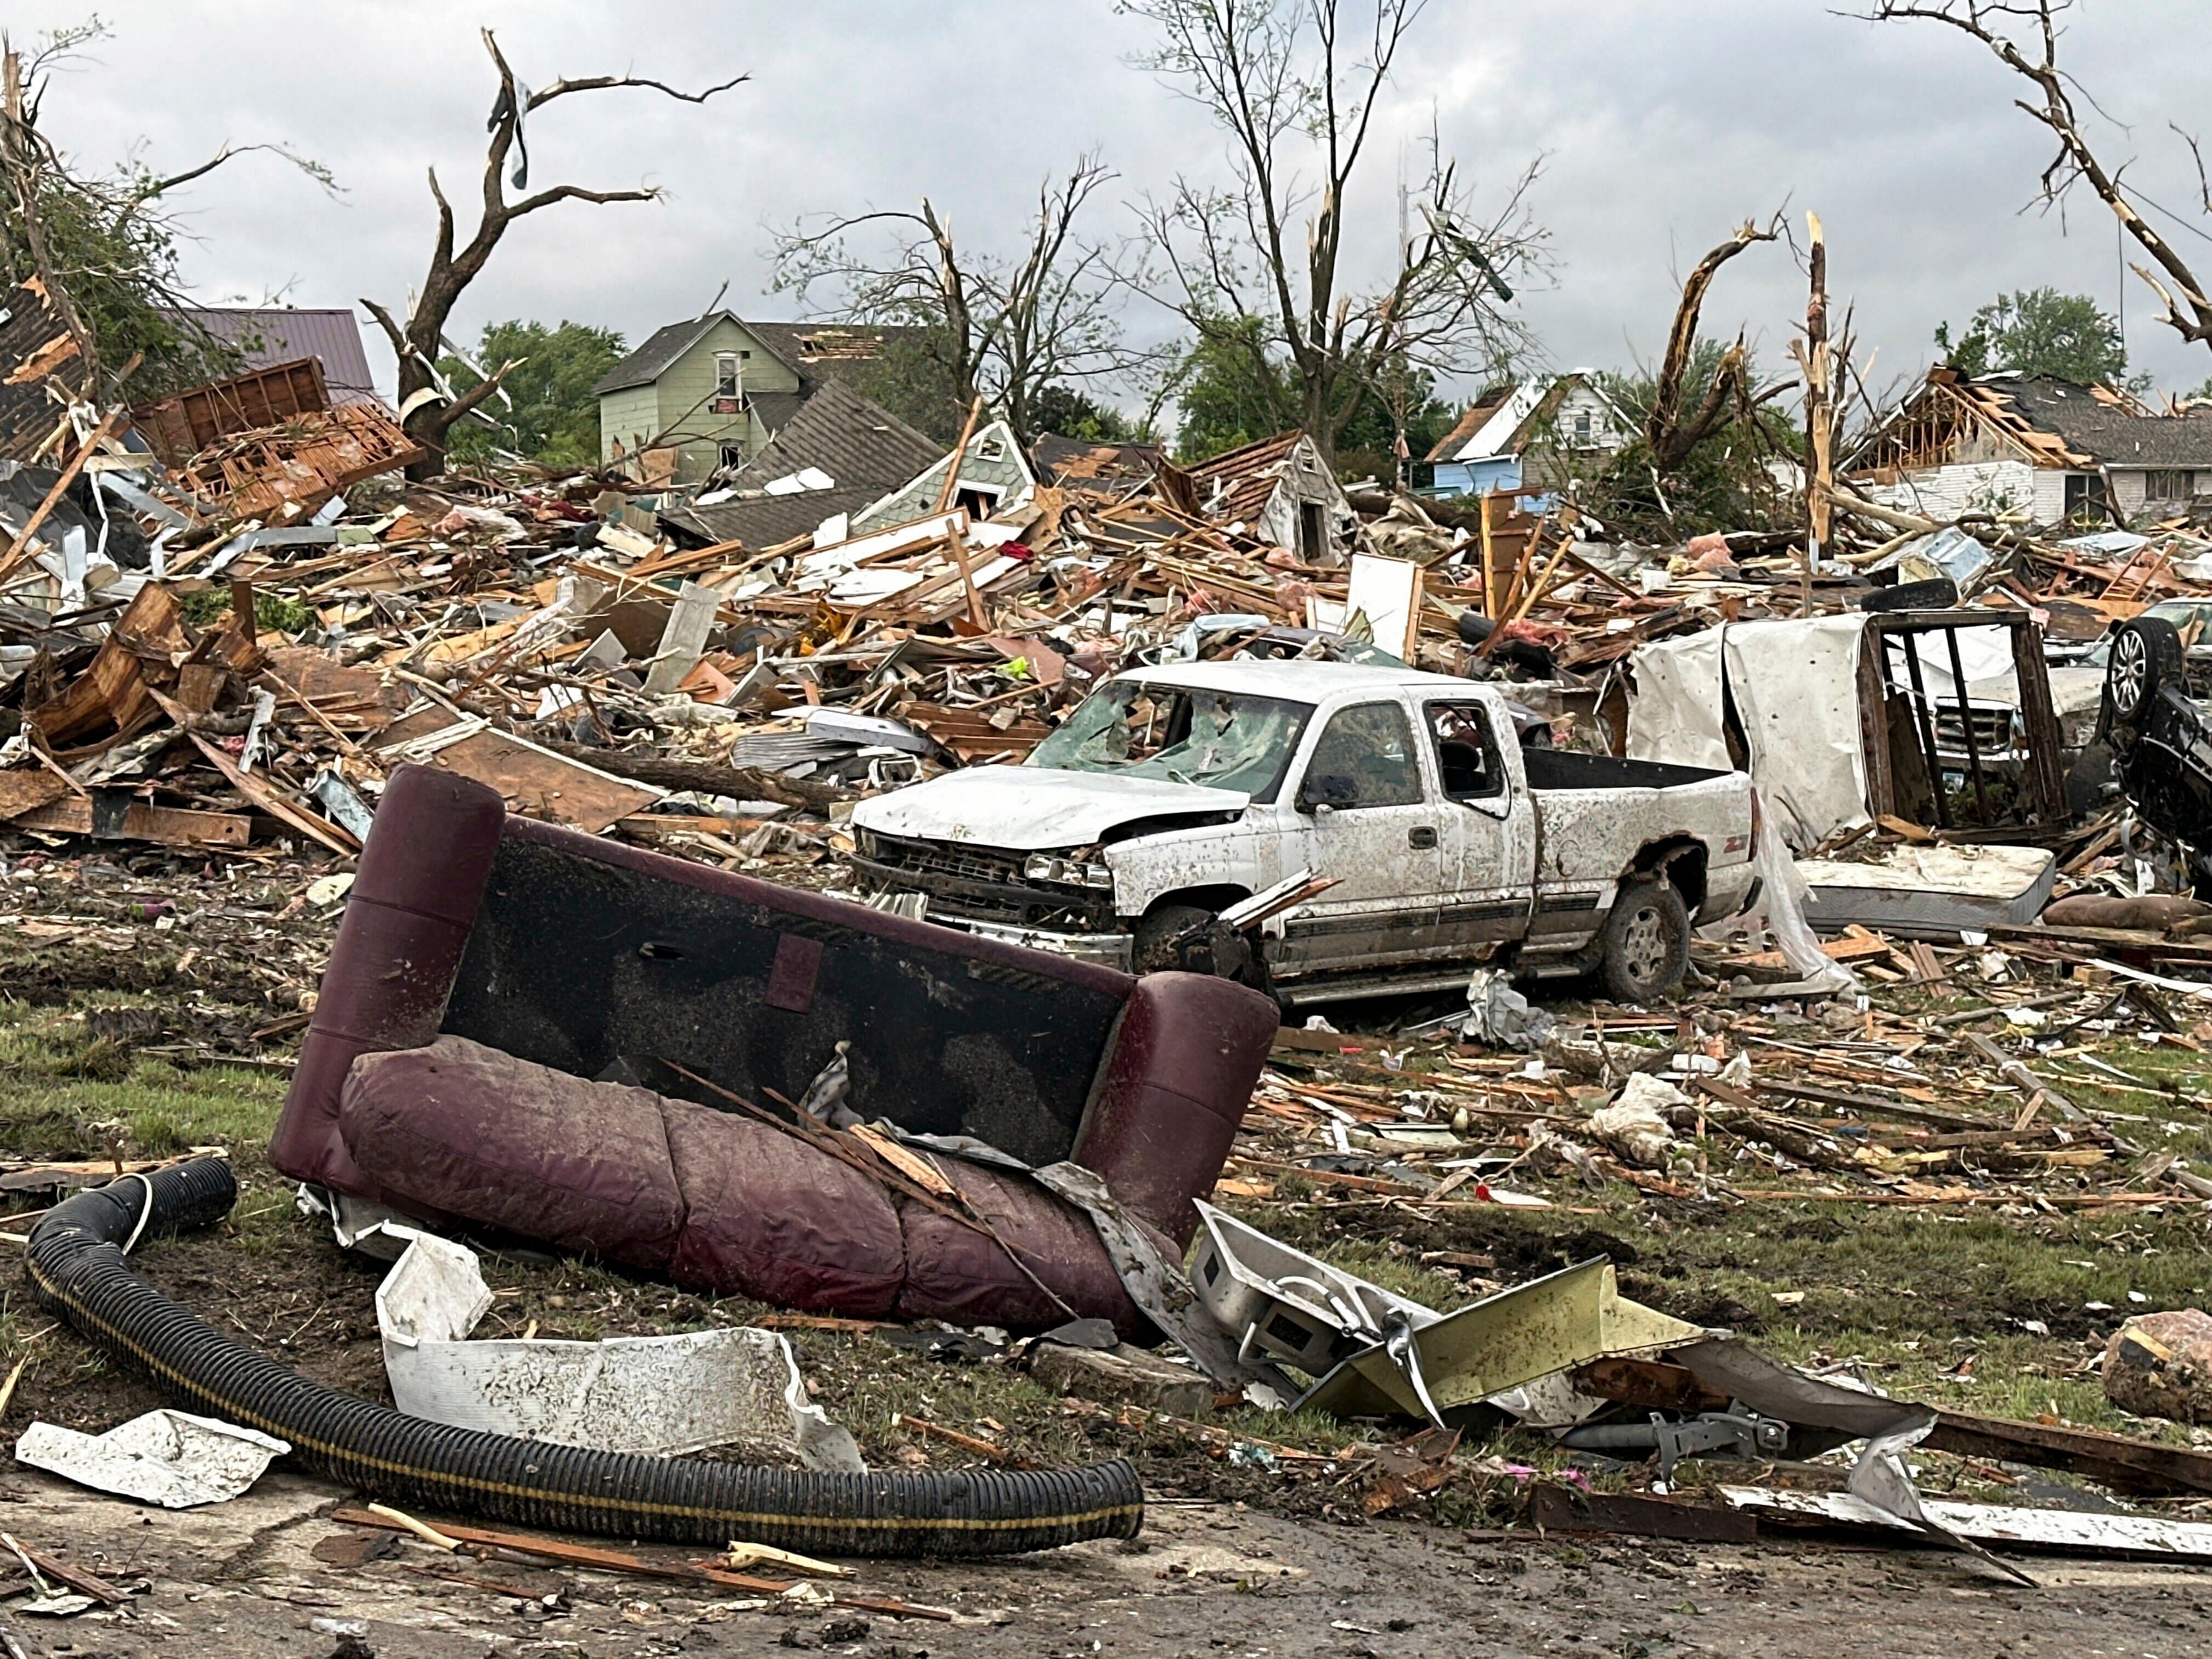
<point x="69" y="1090"/>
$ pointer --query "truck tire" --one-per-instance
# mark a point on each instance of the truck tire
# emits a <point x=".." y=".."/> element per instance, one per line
<point x="2147" y="655"/>
<point x="1189" y="939"/>
<point x="1646" y="941"/>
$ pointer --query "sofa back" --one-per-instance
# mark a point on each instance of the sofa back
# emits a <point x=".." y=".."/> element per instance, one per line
<point x="605" y="962"/>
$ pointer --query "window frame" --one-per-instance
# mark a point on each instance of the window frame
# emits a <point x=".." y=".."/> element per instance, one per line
<point x="1420" y="797"/>
<point x="1493" y="757"/>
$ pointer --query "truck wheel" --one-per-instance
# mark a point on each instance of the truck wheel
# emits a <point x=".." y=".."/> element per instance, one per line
<point x="1188" y="938"/>
<point x="1647" y="941"/>
<point x="2147" y="655"/>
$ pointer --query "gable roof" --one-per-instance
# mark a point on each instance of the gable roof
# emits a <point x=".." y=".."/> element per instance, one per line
<point x="284" y="334"/>
<point x="844" y="434"/>
<point x="1504" y="420"/>
<point x="1472" y="420"/>
<point x="1237" y="486"/>
<point x="810" y="351"/>
<point x="653" y="359"/>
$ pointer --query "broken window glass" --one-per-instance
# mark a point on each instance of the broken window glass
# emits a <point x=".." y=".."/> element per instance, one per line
<point x="1216" y="738"/>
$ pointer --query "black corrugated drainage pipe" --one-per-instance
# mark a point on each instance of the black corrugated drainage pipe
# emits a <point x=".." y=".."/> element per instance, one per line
<point x="78" y="1270"/>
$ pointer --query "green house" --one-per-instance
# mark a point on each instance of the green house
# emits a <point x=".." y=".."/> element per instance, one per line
<point x="715" y="389"/>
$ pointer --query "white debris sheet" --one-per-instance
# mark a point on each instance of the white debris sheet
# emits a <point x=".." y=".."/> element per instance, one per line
<point x="657" y="1394"/>
<point x="169" y="1458"/>
<point x="1796" y="690"/>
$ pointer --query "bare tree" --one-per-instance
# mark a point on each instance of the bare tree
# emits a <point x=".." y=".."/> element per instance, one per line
<point x="102" y="245"/>
<point x="1672" y="432"/>
<point x="1001" y="329"/>
<point x="429" y="407"/>
<point x="1298" y="100"/>
<point x="2002" y="26"/>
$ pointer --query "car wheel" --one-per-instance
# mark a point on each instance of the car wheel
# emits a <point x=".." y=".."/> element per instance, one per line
<point x="2147" y="655"/>
<point x="1646" y="941"/>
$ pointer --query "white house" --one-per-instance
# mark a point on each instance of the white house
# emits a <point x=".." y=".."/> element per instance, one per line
<point x="1539" y="434"/>
<point x="2034" y="447"/>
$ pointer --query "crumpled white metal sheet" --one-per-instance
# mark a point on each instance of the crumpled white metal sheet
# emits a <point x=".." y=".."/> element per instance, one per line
<point x="657" y="1394"/>
<point x="167" y="1457"/>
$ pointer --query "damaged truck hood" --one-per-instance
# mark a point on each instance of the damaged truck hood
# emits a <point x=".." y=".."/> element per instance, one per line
<point x="1031" y="808"/>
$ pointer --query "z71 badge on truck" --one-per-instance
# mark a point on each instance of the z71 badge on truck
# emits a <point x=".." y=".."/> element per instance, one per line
<point x="1171" y="794"/>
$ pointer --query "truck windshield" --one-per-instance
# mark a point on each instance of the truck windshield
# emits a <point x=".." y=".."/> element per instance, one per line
<point x="1212" y="737"/>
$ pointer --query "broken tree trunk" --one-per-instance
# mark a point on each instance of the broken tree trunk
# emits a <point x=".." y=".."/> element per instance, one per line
<point x="745" y="783"/>
<point x="1671" y="432"/>
<point x="1820" y="419"/>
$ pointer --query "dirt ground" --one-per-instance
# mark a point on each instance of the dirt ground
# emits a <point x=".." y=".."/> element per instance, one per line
<point x="241" y="1580"/>
<point x="150" y="1006"/>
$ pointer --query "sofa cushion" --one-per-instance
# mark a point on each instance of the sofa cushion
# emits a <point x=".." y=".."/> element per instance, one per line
<point x="772" y="1218"/>
<point x="499" y="1141"/>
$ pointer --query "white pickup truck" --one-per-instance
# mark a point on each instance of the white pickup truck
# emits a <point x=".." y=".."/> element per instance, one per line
<point x="1173" y="793"/>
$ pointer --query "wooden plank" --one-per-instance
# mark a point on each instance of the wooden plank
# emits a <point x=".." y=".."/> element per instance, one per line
<point x="27" y="792"/>
<point x="532" y="780"/>
<point x="166" y="826"/>
<point x="278" y="805"/>
<point x="112" y="690"/>
<point x="1560" y="1509"/>
<point x="605" y="1560"/>
<point x="2118" y="1459"/>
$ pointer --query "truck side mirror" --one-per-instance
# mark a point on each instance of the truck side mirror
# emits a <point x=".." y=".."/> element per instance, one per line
<point x="1327" y="791"/>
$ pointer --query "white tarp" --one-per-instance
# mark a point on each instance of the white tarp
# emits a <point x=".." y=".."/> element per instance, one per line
<point x="1795" y="689"/>
<point x="734" y="1387"/>
<point x="166" y="1457"/>
<point x="1675" y="712"/>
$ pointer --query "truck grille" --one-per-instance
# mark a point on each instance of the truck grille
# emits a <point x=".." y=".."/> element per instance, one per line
<point x="1992" y="731"/>
<point x="967" y="863"/>
<point x="983" y="884"/>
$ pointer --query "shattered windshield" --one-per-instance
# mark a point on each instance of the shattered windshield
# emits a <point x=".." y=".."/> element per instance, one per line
<point x="1216" y="738"/>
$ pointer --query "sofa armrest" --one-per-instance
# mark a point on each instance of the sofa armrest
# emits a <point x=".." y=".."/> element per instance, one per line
<point x="399" y="951"/>
<point x="1177" y="1076"/>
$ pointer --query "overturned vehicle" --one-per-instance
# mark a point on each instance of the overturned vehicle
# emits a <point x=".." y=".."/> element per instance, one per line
<point x="1145" y="830"/>
<point x="2160" y="739"/>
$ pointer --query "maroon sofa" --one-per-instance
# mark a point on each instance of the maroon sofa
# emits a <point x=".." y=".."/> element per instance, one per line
<point x="576" y="982"/>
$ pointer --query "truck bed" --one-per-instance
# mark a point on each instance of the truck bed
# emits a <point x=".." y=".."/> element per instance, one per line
<point x="1562" y="769"/>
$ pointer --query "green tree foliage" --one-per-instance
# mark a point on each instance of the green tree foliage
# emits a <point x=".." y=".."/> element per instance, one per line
<point x="1061" y="409"/>
<point x="119" y="266"/>
<point x="107" y="238"/>
<point x="2039" y="331"/>
<point x="552" y="417"/>
<point x="916" y="377"/>
<point x="1726" y="482"/>
<point x="1234" y="389"/>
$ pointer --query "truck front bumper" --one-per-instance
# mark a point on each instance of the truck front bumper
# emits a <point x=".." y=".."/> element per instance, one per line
<point x="1107" y="950"/>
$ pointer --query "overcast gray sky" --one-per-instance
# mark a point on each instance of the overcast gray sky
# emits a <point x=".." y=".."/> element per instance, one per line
<point x="1663" y="125"/>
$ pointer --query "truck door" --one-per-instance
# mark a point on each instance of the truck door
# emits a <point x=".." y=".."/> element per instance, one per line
<point x="1489" y="857"/>
<point x="1367" y="816"/>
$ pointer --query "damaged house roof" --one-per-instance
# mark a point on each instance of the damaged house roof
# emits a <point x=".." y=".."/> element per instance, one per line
<point x="812" y="351"/>
<point x="2044" y="420"/>
<point x="271" y="335"/>
<point x="864" y="448"/>
<point x="1507" y="417"/>
<point x="1236" y="487"/>
<point x="2112" y="428"/>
